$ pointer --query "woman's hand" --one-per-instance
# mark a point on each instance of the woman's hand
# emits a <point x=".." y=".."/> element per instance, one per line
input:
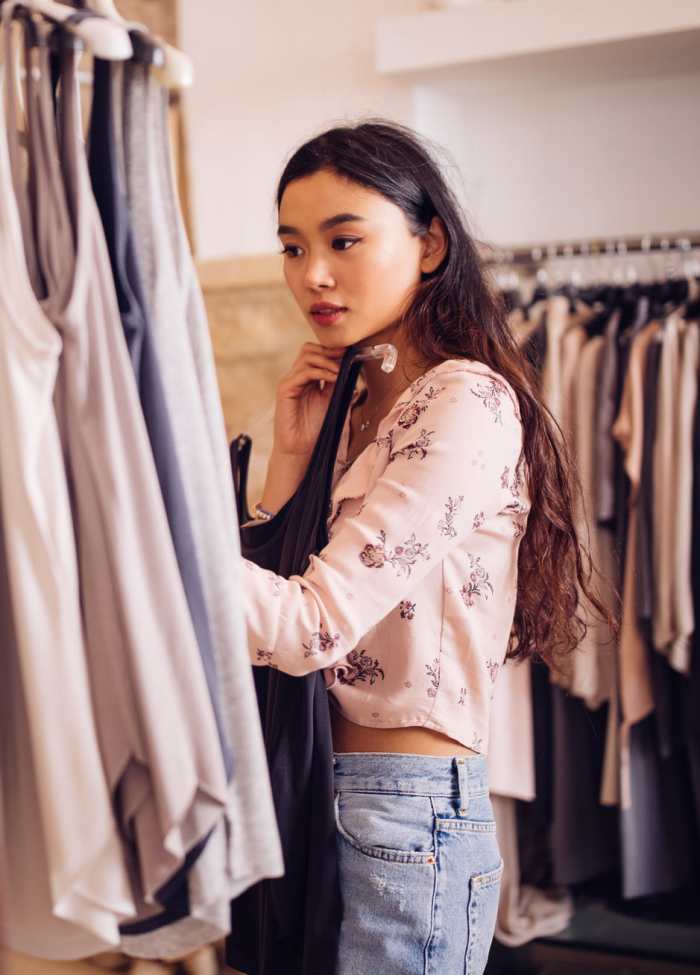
<point x="301" y="404"/>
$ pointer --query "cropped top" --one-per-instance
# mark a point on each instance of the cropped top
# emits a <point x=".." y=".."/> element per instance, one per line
<point x="409" y="608"/>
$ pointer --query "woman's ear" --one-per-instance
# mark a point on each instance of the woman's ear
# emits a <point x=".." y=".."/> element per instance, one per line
<point x="434" y="246"/>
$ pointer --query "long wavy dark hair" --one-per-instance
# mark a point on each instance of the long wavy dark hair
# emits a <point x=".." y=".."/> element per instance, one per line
<point x="457" y="313"/>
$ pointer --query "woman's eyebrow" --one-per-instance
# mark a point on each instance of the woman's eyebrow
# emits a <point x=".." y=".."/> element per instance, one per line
<point x="325" y="225"/>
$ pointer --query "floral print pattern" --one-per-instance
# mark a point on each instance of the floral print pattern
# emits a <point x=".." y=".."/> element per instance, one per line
<point x="478" y="583"/>
<point x="433" y="672"/>
<point x="418" y="450"/>
<point x="447" y="463"/>
<point x="446" y="525"/>
<point x="490" y="392"/>
<point x="402" y="558"/>
<point x="360" y="668"/>
<point x="321" y="641"/>
<point x="412" y="413"/>
<point x="386" y="441"/>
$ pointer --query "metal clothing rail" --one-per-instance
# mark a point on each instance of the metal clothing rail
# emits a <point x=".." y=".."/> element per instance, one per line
<point x="535" y="254"/>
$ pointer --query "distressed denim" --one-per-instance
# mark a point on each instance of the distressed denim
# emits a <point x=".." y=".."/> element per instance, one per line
<point x="420" y="868"/>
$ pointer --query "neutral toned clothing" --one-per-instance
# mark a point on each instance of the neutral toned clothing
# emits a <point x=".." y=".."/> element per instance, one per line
<point x="636" y="691"/>
<point x="409" y="607"/>
<point x="593" y="666"/>
<point x="607" y="411"/>
<point x="511" y="749"/>
<point x="684" y="616"/>
<point x="525" y="912"/>
<point x="244" y="845"/>
<point x="109" y="188"/>
<point x="159" y="739"/>
<point x="666" y="485"/>
<point x="63" y="871"/>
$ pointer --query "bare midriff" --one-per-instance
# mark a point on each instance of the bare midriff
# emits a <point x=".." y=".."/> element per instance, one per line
<point x="351" y="737"/>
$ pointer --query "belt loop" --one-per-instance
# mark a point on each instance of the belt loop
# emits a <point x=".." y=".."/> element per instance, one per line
<point x="463" y="786"/>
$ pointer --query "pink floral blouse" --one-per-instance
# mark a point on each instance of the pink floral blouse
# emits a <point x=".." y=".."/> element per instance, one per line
<point x="409" y="607"/>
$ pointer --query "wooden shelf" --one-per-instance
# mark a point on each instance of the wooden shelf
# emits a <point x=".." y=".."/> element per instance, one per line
<point x="505" y="39"/>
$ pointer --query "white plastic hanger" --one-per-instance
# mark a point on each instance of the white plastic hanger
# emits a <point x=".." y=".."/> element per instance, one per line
<point x="177" y="70"/>
<point x="104" y="38"/>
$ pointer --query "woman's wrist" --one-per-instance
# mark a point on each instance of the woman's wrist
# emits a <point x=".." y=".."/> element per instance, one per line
<point x="284" y="475"/>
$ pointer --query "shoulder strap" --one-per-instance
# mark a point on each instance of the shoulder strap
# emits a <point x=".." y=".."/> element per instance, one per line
<point x="239" y="452"/>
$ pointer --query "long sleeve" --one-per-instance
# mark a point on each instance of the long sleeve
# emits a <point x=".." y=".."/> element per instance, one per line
<point x="450" y="465"/>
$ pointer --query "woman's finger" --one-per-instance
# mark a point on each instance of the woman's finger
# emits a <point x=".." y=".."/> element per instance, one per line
<point x="305" y="376"/>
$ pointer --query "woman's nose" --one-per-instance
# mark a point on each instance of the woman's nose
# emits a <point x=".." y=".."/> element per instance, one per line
<point x="318" y="274"/>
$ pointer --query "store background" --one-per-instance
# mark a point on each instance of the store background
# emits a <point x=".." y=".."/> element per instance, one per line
<point x="557" y="142"/>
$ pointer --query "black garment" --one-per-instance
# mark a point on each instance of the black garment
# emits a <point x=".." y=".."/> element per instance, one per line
<point x="110" y="196"/>
<point x="658" y="831"/>
<point x="534" y="818"/>
<point x="290" y="926"/>
<point x="584" y="833"/>
<point x="644" y="578"/>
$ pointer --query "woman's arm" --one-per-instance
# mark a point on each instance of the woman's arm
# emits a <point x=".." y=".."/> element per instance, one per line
<point x="285" y="473"/>
<point x="453" y="465"/>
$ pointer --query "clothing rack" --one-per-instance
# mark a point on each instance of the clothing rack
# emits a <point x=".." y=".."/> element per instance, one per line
<point x="534" y="255"/>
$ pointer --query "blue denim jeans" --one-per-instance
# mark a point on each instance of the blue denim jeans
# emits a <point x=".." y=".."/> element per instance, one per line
<point x="420" y="868"/>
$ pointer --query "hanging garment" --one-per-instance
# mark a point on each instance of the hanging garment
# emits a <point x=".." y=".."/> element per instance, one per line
<point x="63" y="872"/>
<point x="110" y="196"/>
<point x="607" y="411"/>
<point x="593" y="676"/>
<point x="244" y="845"/>
<point x="292" y="924"/>
<point x="655" y="828"/>
<point x="158" y="735"/>
<point x="691" y="709"/>
<point x="525" y="912"/>
<point x="684" y="616"/>
<point x="665" y="485"/>
<point x="636" y="692"/>
<point x="511" y="755"/>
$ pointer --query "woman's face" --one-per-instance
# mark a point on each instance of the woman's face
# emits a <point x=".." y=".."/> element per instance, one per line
<point x="350" y="258"/>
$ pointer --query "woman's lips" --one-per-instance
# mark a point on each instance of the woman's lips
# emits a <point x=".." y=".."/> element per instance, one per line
<point x="328" y="316"/>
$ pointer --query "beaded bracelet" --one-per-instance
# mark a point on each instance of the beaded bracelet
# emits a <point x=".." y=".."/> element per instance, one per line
<point x="261" y="514"/>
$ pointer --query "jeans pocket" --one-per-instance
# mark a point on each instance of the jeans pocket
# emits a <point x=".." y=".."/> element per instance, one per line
<point x="387" y="826"/>
<point x="484" y="893"/>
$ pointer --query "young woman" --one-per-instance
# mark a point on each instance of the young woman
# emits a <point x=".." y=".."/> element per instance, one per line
<point x="451" y="541"/>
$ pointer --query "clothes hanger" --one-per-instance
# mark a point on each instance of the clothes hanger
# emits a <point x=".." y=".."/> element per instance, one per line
<point x="145" y="49"/>
<point x="175" y="69"/>
<point x="103" y="38"/>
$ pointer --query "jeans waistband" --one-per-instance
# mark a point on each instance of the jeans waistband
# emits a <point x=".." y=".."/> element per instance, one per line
<point x="413" y="774"/>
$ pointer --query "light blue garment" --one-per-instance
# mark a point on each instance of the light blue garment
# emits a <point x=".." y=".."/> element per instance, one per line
<point x="420" y="868"/>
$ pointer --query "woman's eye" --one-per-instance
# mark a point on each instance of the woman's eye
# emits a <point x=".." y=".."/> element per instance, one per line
<point x="291" y="250"/>
<point x="344" y="243"/>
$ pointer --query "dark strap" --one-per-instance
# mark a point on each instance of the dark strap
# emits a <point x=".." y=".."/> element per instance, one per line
<point x="240" y="458"/>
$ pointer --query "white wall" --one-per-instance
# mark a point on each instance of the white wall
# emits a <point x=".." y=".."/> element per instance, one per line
<point x="554" y="163"/>
<point x="539" y="161"/>
<point x="268" y="75"/>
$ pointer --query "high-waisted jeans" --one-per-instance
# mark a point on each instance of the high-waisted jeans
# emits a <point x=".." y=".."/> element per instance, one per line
<point x="420" y="867"/>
